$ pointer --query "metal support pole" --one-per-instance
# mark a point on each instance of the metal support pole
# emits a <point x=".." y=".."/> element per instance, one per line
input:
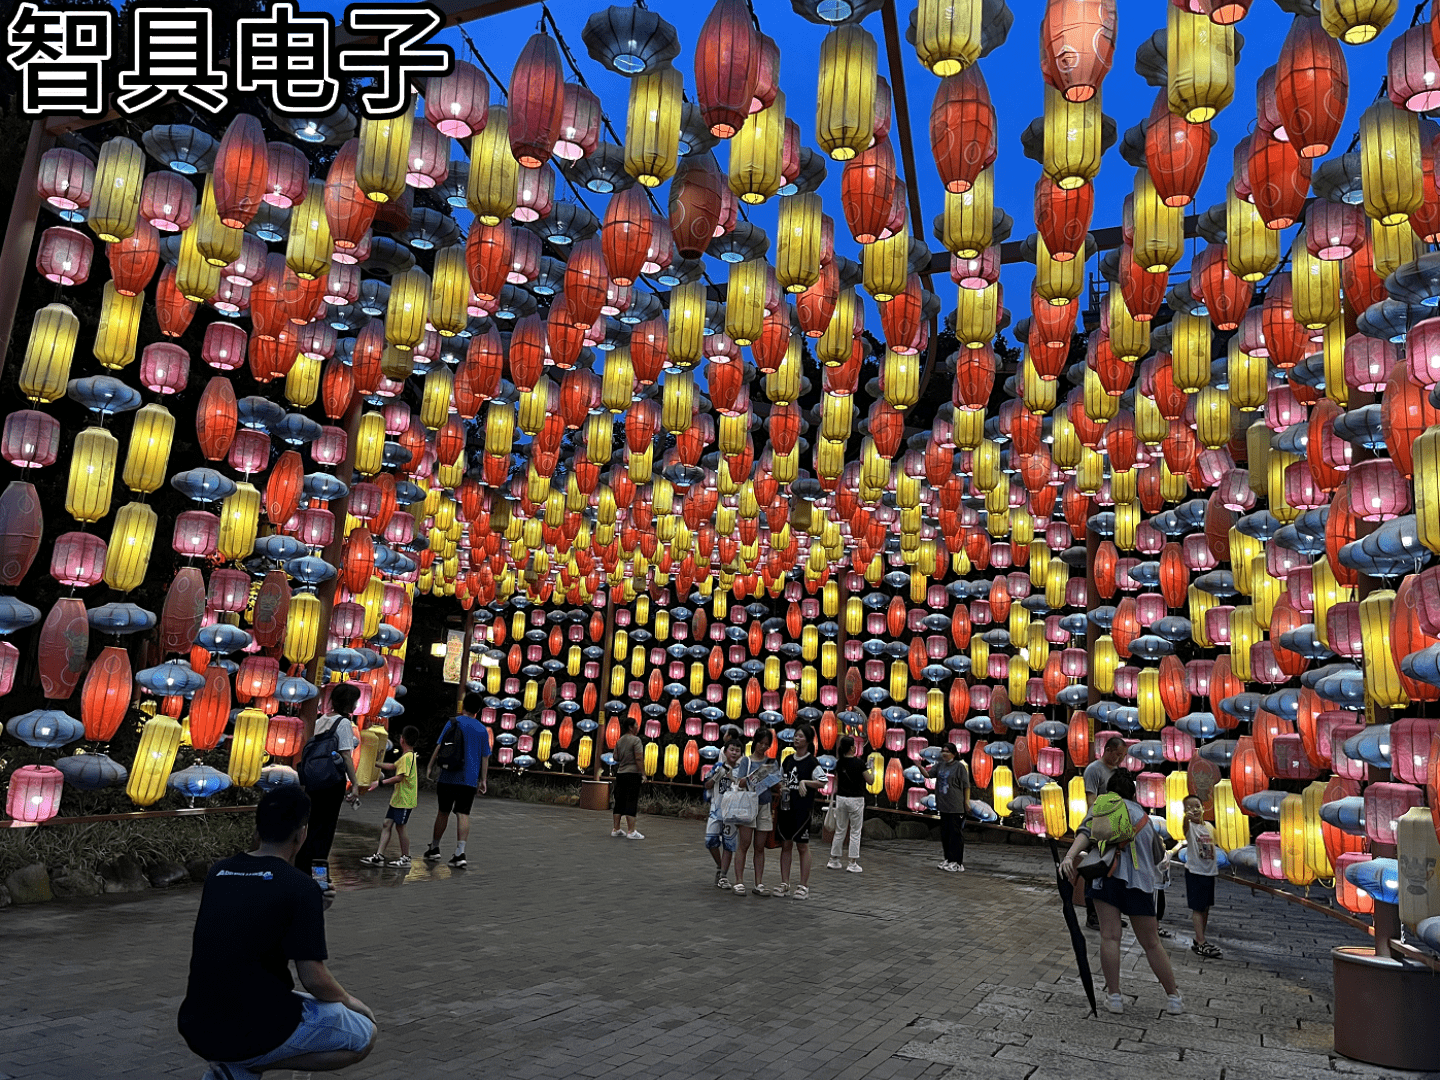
<point x="20" y="233"/>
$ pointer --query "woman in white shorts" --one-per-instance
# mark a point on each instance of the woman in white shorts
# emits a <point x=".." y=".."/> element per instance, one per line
<point x="757" y="772"/>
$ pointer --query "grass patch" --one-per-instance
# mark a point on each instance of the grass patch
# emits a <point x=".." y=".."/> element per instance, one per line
<point x="85" y="847"/>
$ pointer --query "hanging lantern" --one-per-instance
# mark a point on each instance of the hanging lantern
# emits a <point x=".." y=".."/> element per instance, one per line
<point x="115" y="204"/>
<point x="845" y="115"/>
<point x="1072" y="139"/>
<point x="1077" y="46"/>
<point x="1390" y="151"/>
<point x="652" y="129"/>
<point x="757" y="153"/>
<point x="727" y="67"/>
<point x="492" y="186"/>
<point x="132" y="538"/>
<point x="1311" y="87"/>
<point x="1200" y="64"/>
<point x="537" y="102"/>
<point x="458" y="104"/>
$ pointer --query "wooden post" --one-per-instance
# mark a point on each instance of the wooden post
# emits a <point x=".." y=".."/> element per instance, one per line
<point x="20" y="233"/>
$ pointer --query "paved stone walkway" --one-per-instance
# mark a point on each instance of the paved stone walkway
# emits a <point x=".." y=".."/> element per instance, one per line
<point x="562" y="952"/>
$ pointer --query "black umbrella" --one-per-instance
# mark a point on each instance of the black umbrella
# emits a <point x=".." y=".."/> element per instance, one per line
<point x="1077" y="936"/>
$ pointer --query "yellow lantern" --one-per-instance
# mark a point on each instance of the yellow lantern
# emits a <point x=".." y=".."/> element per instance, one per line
<point x="1317" y="858"/>
<point x="115" y="202"/>
<point x="845" y="98"/>
<point x="798" y="242"/>
<point x="1292" y="841"/>
<point x="1052" y="801"/>
<point x="1190" y="351"/>
<point x="838" y="339"/>
<point x="196" y="278"/>
<point x="381" y="163"/>
<point x="782" y="386"/>
<point x="1072" y="132"/>
<point x="1066" y="450"/>
<point x="617" y="381"/>
<point x="239" y="518"/>
<point x="979" y="652"/>
<point x="1212" y="414"/>
<point x="302" y="628"/>
<point x="745" y="300"/>
<point x="1057" y="282"/>
<point x="975" y="318"/>
<point x="449" y="291"/>
<point x="687" y="323"/>
<point x="1316" y="286"/>
<point x="876" y="764"/>
<point x="757" y="153"/>
<point x="1099" y="403"/>
<point x="131" y="539"/>
<point x="45" y="371"/>
<point x="494" y="179"/>
<point x="372" y="751"/>
<point x="1382" y="676"/>
<point x="1152" y="711"/>
<point x="652" y="128"/>
<point x="217" y="243"/>
<point x="302" y="383"/>
<point x="1200" y="65"/>
<point x="1040" y="395"/>
<point x="1151" y="427"/>
<point x="1390" y="174"/>
<point x="1076" y="802"/>
<point x="149" y="450"/>
<point x="308" y="244"/>
<point x="902" y="378"/>
<point x="1130" y="339"/>
<point x="1248" y="377"/>
<point x="1244" y="634"/>
<point x="1002" y="789"/>
<point x="1177" y="789"/>
<point x="1251" y="249"/>
<point x="408" y="310"/>
<point x="150" y="771"/>
<point x="247" y="747"/>
<point x="119" y="328"/>
<point x="1232" y="828"/>
<point x="1159" y="229"/>
<point x="948" y="35"/>
<point x="1392" y="246"/>
<point x="586" y="749"/>
<point x="885" y="267"/>
<point x="370" y="444"/>
<point x="967" y="222"/>
<point x="92" y="475"/>
<point x="1356" y="21"/>
<point x="1106" y="662"/>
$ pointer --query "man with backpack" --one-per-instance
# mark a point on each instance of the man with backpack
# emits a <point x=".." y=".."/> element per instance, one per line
<point x="463" y="757"/>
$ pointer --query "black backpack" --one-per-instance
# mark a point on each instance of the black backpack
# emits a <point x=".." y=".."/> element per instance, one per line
<point x="451" y="757"/>
<point x="320" y="760"/>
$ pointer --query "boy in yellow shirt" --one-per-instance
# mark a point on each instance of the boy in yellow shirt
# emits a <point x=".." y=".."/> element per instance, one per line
<point x="405" y="779"/>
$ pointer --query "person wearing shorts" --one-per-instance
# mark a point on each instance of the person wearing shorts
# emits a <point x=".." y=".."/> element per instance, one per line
<point x="629" y="772"/>
<point x="801" y="776"/>
<point x="455" y="792"/>
<point x="1201" y="869"/>
<point x="404" y="779"/>
<point x="757" y="772"/>
<point x="721" y="836"/>
<point x="258" y="914"/>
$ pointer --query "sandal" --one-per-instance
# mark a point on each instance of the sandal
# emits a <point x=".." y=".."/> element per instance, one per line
<point x="802" y="892"/>
<point x="783" y="889"/>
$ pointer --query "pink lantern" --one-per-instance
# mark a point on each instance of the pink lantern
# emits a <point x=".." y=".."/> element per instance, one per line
<point x="1217" y="623"/>
<point x="1334" y="231"/>
<point x="167" y="201"/>
<point x="1075" y="592"/>
<point x="1410" y="741"/>
<point x="459" y="103"/>
<point x="1197" y="677"/>
<point x="1385" y="804"/>
<point x="1283" y="408"/>
<point x="229" y="590"/>
<point x="1263" y="666"/>
<point x="960" y="739"/>
<point x="224" y="346"/>
<point x="65" y="180"/>
<point x="317" y="340"/>
<point x="164" y="368"/>
<point x="1150" y="790"/>
<point x="1127" y="682"/>
<point x="34" y="793"/>
<point x="1150" y="608"/>
<point x="64" y="256"/>
<point x="1280" y="560"/>
<point x="1344" y="765"/>
<point x="248" y="268"/>
<point x="400" y="530"/>
<point x="1300" y="587"/>
<point x="1050" y="761"/>
<point x="1267" y="852"/>
<point x="1000" y="555"/>
<point x="1342" y="628"/>
<point x="1291" y="761"/>
<point x="317" y="527"/>
<point x="287" y="175"/>
<point x="1301" y="492"/>
<point x="330" y="447"/>
<point x="1073" y="663"/>
<point x="1414" y="76"/>
<point x="230" y="298"/>
<point x="197" y="534"/>
<point x="31" y="439"/>
<point x="1368" y="362"/>
<point x="428" y="162"/>
<point x="1234" y="493"/>
<point x="1177" y="745"/>
<point x="1058" y="536"/>
<point x="1212" y="466"/>
<point x="77" y="559"/>
<point x="1055" y="633"/>
<point x="347" y="621"/>
<point x="1378" y="492"/>
<point x="1422" y="352"/>
<point x="343" y="285"/>
<point x="397" y="418"/>
<point x="9" y="661"/>
<point x="1035" y="819"/>
<point x="250" y="452"/>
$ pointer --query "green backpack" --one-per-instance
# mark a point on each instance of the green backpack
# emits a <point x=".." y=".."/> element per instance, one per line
<point x="1110" y="824"/>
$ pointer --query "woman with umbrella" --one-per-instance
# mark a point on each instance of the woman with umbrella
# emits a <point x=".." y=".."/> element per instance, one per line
<point x="1127" y="888"/>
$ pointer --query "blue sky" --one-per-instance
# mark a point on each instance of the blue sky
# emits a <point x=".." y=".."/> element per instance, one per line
<point x="1013" y="75"/>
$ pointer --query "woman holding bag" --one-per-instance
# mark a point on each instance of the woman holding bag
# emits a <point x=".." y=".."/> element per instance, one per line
<point x="757" y="773"/>
<point x="801" y="777"/>
<point x="851" y="776"/>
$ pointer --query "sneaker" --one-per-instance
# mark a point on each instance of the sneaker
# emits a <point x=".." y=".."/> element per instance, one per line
<point x="943" y="864"/>
<point x="783" y="889"/>
<point x="1114" y="1003"/>
<point x="458" y="861"/>
<point x="617" y="832"/>
<point x="802" y="892"/>
<point x="854" y="868"/>
<point x="740" y="888"/>
<point x="373" y="860"/>
<point x="432" y="853"/>
<point x="1163" y="932"/>
<point x="760" y="890"/>
<point x="402" y="862"/>
<point x="1207" y="949"/>
<point x="834" y="864"/>
<point x="1174" y="1005"/>
<point x="718" y="875"/>
<point x="722" y="883"/>
<point x="951" y="867"/>
<point x="959" y="867"/>
<point x="636" y="835"/>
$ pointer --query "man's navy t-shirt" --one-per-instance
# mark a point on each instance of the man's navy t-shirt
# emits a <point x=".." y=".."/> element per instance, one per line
<point x="477" y="746"/>
<point x="256" y="915"/>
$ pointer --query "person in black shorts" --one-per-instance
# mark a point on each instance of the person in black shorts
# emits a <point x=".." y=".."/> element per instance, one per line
<point x="456" y="790"/>
<point x="801" y="776"/>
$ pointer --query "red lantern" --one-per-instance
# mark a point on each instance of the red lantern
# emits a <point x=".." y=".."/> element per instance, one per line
<point x="1311" y="87"/>
<point x="167" y="200"/>
<point x="868" y="188"/>
<point x="537" y="101"/>
<point x="962" y="129"/>
<point x="1279" y="181"/>
<point x="1176" y="152"/>
<point x="64" y="255"/>
<point x="347" y="211"/>
<point x="626" y="233"/>
<point x="1077" y="45"/>
<point x="728" y="56"/>
<point x="242" y="167"/>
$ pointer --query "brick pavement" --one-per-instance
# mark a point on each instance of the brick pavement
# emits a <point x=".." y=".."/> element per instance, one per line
<point x="562" y="952"/>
